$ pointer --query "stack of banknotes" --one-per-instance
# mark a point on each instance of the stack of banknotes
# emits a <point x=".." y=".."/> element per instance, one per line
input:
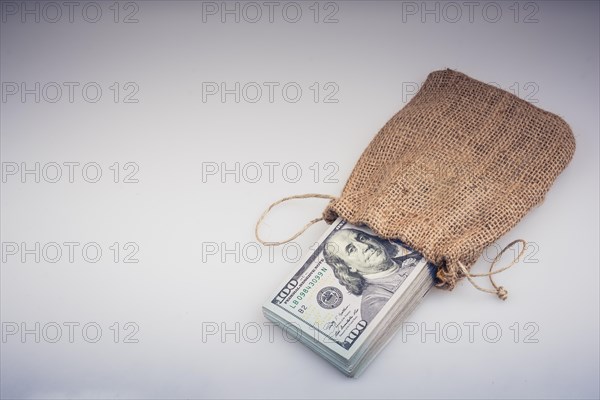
<point x="351" y="295"/>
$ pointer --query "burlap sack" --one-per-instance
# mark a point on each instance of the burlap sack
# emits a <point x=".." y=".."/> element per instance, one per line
<point x="454" y="170"/>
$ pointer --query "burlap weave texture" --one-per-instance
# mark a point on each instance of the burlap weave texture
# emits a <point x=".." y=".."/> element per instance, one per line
<point x="454" y="170"/>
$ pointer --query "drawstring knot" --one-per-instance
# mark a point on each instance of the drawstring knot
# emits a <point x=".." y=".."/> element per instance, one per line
<point x="500" y="291"/>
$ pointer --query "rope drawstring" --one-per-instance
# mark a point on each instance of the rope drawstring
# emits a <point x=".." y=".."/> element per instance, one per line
<point x="500" y="291"/>
<point x="301" y="231"/>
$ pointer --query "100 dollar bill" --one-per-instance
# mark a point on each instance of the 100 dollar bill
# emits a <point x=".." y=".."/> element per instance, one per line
<point x="344" y="289"/>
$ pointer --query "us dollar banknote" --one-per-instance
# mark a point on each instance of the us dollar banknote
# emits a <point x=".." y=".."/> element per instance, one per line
<point x="347" y="294"/>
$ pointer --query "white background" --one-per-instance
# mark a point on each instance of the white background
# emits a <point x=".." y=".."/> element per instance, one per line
<point x="374" y="55"/>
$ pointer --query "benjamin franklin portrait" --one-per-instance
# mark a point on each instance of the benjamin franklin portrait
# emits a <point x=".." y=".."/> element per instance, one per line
<point x="369" y="267"/>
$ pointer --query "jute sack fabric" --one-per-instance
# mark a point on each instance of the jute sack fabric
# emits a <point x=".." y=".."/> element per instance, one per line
<point x="454" y="170"/>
